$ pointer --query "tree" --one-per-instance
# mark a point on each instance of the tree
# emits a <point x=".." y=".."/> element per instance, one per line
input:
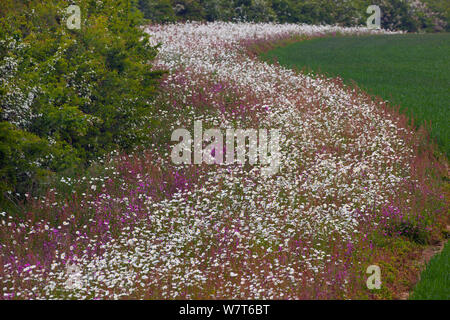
<point x="218" y="10"/>
<point x="285" y="11"/>
<point x="188" y="10"/>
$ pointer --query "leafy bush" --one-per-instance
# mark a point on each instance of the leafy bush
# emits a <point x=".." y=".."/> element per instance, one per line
<point x="255" y="10"/>
<point x="157" y="10"/>
<point x="396" y="15"/>
<point x="417" y="15"/>
<point x="286" y="11"/>
<point x="218" y="10"/>
<point x="188" y="10"/>
<point x="432" y="15"/>
<point x="69" y="96"/>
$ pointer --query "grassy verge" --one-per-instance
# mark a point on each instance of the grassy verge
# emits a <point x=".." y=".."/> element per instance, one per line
<point x="409" y="70"/>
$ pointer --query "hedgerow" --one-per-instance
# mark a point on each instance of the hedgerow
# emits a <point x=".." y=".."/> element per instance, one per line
<point x="418" y="15"/>
<point x="68" y="96"/>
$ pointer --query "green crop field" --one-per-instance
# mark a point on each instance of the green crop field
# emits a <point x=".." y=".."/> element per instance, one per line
<point x="410" y="70"/>
<point x="435" y="280"/>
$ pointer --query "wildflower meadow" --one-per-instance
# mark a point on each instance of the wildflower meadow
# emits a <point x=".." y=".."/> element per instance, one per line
<point x="355" y="185"/>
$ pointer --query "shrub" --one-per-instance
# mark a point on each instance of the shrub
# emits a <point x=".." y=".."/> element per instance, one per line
<point x="69" y="96"/>
<point x="417" y="15"/>
<point x="188" y="10"/>
<point x="218" y="10"/>
<point x="157" y="10"/>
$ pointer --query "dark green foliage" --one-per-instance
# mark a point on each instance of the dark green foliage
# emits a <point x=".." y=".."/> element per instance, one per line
<point x="157" y="10"/>
<point x="20" y="152"/>
<point x="408" y="70"/>
<point x="188" y="10"/>
<point x="218" y="10"/>
<point x="396" y="15"/>
<point x="254" y="10"/>
<point x="425" y="15"/>
<point x="69" y="96"/>
<point x="441" y="10"/>
<point x="286" y="11"/>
